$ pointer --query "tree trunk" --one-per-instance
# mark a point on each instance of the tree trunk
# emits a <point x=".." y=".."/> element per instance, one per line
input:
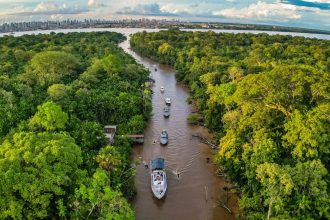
<point x="109" y="178"/>
<point x="269" y="209"/>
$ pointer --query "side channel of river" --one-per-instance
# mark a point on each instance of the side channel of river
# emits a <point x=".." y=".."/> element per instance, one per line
<point x="195" y="193"/>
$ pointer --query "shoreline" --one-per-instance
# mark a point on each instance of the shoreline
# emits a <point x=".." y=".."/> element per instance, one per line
<point x="320" y="36"/>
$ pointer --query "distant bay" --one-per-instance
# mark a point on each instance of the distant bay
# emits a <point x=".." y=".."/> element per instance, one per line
<point x="128" y="31"/>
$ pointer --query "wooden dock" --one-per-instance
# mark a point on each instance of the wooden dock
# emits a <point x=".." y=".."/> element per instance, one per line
<point x="136" y="138"/>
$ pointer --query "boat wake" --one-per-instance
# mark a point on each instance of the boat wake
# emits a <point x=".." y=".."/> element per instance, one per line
<point x="178" y="172"/>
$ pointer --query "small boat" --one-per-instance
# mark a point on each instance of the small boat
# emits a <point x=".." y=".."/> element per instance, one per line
<point x="162" y="89"/>
<point x="158" y="177"/>
<point x="163" y="139"/>
<point x="166" y="112"/>
<point x="168" y="101"/>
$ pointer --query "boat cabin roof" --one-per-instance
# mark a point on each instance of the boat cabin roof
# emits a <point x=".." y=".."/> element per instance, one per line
<point x="157" y="164"/>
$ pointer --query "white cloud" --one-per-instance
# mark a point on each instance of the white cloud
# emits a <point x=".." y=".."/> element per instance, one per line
<point x="95" y="3"/>
<point x="262" y="10"/>
<point x="144" y="9"/>
<point x="48" y="6"/>
<point x="200" y="9"/>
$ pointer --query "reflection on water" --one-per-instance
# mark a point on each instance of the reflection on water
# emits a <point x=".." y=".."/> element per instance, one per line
<point x="189" y="176"/>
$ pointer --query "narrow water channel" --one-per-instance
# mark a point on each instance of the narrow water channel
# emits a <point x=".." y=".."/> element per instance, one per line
<point x="195" y="193"/>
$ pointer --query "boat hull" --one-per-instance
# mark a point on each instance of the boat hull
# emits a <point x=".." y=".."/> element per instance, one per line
<point x="158" y="196"/>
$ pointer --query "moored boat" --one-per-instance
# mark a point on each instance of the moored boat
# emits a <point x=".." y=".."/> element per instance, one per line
<point x="163" y="137"/>
<point x="158" y="177"/>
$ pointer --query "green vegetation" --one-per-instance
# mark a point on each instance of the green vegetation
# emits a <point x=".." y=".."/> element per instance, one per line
<point x="57" y="92"/>
<point x="195" y="119"/>
<point x="267" y="98"/>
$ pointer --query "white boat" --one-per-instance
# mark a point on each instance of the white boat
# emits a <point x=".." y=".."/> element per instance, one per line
<point x="168" y="101"/>
<point x="162" y="89"/>
<point x="163" y="137"/>
<point x="158" y="177"/>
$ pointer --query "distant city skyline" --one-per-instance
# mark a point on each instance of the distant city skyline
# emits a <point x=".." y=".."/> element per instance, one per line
<point x="297" y="13"/>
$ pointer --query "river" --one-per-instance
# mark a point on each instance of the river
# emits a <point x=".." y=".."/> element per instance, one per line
<point x="134" y="30"/>
<point x="195" y="193"/>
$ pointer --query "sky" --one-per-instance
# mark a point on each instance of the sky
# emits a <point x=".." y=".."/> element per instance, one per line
<point x="296" y="13"/>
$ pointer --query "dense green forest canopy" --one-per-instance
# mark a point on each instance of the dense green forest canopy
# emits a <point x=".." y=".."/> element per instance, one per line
<point x="57" y="91"/>
<point x="267" y="99"/>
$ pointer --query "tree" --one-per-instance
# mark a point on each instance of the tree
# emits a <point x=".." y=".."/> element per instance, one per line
<point x="135" y="125"/>
<point x="108" y="159"/>
<point x="57" y="92"/>
<point x="49" y="117"/>
<point x="95" y="199"/>
<point x="295" y="191"/>
<point x="235" y="73"/>
<point x="38" y="172"/>
<point x="51" y="67"/>
<point x="278" y="184"/>
<point x="308" y="135"/>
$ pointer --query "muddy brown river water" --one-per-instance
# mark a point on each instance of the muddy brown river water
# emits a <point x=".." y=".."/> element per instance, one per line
<point x="195" y="193"/>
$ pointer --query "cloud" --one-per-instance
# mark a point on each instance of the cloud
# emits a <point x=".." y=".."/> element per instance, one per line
<point x="144" y="9"/>
<point x="262" y="11"/>
<point x="50" y="8"/>
<point x="323" y="4"/>
<point x="95" y="3"/>
<point x="302" y="13"/>
<point x="195" y="10"/>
